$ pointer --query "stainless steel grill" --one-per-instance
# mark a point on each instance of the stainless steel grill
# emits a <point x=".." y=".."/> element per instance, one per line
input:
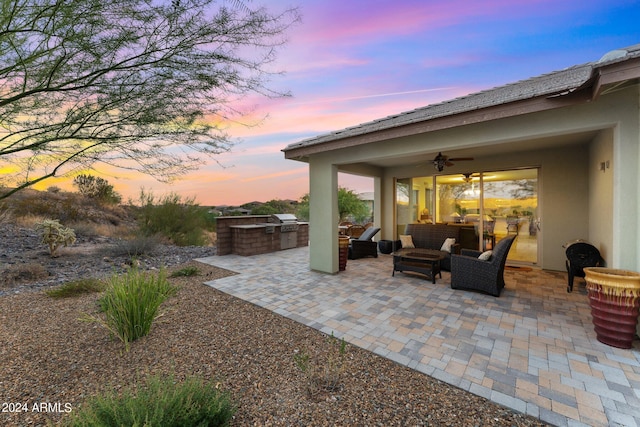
<point x="288" y="222"/>
<point x="288" y="229"/>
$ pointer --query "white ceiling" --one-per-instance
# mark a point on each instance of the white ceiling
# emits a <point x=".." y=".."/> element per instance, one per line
<point x="488" y="150"/>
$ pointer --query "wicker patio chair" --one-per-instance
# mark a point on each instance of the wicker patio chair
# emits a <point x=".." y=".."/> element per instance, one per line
<point x="355" y="231"/>
<point x="363" y="246"/>
<point x="469" y="272"/>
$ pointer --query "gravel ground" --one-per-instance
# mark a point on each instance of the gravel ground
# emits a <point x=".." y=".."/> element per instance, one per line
<point x="47" y="355"/>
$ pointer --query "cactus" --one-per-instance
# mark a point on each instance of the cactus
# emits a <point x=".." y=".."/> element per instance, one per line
<point x="54" y="235"/>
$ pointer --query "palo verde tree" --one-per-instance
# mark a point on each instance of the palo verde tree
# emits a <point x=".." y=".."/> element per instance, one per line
<point x="139" y="84"/>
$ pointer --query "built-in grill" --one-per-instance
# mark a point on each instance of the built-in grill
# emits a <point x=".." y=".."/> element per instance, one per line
<point x="288" y="222"/>
<point x="288" y="229"/>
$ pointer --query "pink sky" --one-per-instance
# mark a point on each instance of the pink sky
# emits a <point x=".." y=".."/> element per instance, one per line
<point x="349" y="62"/>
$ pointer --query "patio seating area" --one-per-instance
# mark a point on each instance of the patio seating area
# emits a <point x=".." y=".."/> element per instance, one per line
<point x="533" y="349"/>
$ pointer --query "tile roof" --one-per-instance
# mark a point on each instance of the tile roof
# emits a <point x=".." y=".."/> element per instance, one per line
<point x="554" y="83"/>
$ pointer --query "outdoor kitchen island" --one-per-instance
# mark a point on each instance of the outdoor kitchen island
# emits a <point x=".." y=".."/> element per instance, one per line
<point x="259" y="234"/>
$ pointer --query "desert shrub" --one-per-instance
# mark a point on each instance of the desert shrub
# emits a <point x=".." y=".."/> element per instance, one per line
<point x="274" y="206"/>
<point x="324" y="371"/>
<point x="160" y="402"/>
<point x="135" y="246"/>
<point x="55" y="235"/>
<point x="189" y="271"/>
<point x="19" y="273"/>
<point x="57" y="206"/>
<point x="86" y="229"/>
<point x="97" y="188"/>
<point x="77" y="287"/>
<point x="5" y="213"/>
<point x="131" y="303"/>
<point x="54" y="189"/>
<point x="182" y="221"/>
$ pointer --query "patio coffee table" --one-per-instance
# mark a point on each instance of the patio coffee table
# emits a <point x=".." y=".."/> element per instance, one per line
<point x="424" y="261"/>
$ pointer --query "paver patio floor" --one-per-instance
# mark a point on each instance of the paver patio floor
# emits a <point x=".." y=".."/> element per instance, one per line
<point x="533" y="349"/>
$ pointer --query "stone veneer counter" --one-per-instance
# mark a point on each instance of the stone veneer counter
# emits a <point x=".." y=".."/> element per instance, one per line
<point x="253" y="235"/>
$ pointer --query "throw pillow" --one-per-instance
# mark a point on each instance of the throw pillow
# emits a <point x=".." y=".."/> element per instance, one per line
<point x="485" y="256"/>
<point x="448" y="242"/>
<point x="407" y="241"/>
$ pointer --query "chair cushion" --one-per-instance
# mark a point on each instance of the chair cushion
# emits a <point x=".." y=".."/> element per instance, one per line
<point x="369" y="233"/>
<point x="485" y="256"/>
<point x="407" y="241"/>
<point x="448" y="242"/>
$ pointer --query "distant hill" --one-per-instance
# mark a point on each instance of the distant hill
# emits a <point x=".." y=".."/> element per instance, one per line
<point x="29" y="206"/>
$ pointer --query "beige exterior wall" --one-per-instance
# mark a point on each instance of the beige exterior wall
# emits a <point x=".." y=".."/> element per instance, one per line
<point x="577" y="200"/>
<point x="563" y="194"/>
<point x="601" y="194"/>
<point x="626" y="179"/>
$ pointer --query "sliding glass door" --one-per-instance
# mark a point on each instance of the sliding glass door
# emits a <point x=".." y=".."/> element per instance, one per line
<point x="511" y="200"/>
<point x="493" y="204"/>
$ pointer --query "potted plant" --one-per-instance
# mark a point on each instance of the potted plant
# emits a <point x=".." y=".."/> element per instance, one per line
<point x="343" y="248"/>
<point x="614" y="297"/>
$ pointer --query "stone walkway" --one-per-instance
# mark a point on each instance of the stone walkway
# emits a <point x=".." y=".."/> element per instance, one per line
<point x="533" y="349"/>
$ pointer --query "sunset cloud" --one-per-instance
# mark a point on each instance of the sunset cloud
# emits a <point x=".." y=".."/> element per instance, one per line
<point x="350" y="62"/>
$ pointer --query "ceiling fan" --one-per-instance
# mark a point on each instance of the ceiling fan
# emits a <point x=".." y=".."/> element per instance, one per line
<point x="440" y="161"/>
<point x="468" y="177"/>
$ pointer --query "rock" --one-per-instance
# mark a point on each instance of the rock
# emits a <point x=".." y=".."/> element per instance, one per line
<point x="88" y="257"/>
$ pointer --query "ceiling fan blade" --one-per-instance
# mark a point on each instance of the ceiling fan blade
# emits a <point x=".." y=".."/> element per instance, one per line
<point x="440" y="161"/>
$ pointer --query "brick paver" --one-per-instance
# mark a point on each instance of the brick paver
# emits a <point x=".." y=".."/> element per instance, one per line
<point x="533" y="349"/>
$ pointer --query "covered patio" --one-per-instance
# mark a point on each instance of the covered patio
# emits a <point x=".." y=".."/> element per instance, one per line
<point x="533" y="349"/>
<point x="577" y="128"/>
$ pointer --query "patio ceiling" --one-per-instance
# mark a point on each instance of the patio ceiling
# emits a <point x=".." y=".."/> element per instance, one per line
<point x="486" y="150"/>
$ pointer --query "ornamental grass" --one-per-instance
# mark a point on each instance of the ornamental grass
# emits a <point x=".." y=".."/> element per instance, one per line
<point x="159" y="402"/>
<point x="131" y="303"/>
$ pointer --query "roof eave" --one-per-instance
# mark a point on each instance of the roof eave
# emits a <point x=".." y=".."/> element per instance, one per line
<point x="494" y="112"/>
<point x="585" y="83"/>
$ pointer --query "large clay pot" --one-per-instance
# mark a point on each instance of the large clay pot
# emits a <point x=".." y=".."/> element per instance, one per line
<point x="614" y="296"/>
<point x="343" y="252"/>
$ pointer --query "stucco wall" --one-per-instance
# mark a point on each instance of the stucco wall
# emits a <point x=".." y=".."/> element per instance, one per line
<point x="564" y="143"/>
<point x="563" y="185"/>
<point x="601" y="194"/>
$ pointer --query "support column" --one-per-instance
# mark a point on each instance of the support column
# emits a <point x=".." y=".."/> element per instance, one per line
<point x="377" y="202"/>
<point x="323" y="215"/>
<point x="626" y="196"/>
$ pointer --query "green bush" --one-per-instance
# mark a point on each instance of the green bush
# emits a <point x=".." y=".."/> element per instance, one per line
<point x="131" y="303"/>
<point x="161" y="402"/>
<point x="77" y="287"/>
<point x="182" y="221"/>
<point x="189" y="271"/>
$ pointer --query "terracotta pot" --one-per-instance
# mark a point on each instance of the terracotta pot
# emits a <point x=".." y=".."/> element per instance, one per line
<point x="343" y="247"/>
<point x="614" y="296"/>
